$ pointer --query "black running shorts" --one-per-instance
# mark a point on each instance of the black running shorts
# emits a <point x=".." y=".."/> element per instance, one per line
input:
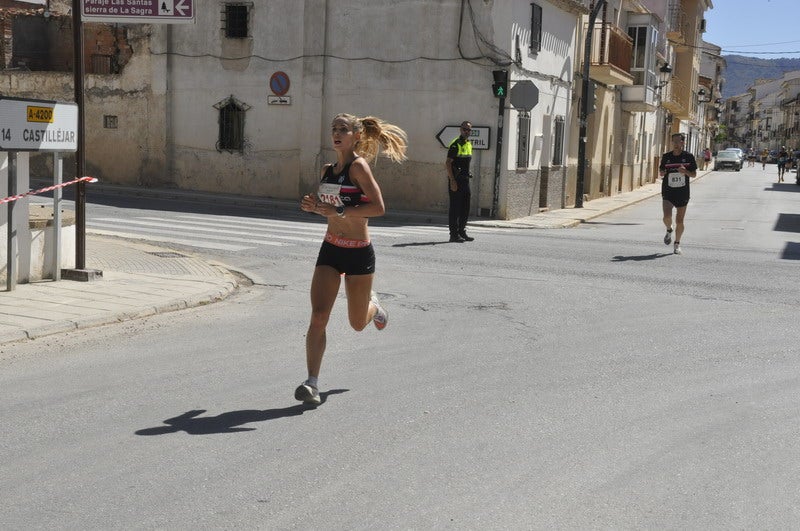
<point x="355" y="261"/>
<point x="679" y="197"/>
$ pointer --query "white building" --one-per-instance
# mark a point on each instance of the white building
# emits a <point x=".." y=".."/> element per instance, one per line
<point x="241" y="101"/>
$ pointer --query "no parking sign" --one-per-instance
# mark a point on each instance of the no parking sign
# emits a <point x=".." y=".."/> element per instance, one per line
<point x="279" y="83"/>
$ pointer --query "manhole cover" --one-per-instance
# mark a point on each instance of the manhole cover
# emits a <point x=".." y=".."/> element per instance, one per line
<point x="167" y="254"/>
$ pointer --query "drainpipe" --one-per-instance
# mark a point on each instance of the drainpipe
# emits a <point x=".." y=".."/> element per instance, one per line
<point x="584" y="110"/>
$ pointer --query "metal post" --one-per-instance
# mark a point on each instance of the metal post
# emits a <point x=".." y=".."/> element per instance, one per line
<point x="11" y="248"/>
<point x="477" y="194"/>
<point x="584" y="109"/>
<point x="58" y="174"/>
<point x="498" y="156"/>
<point x="80" y="154"/>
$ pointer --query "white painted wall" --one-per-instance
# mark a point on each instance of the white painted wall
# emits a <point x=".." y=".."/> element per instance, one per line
<point x="400" y="61"/>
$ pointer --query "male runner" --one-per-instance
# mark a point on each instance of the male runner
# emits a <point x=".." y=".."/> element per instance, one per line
<point x="676" y="168"/>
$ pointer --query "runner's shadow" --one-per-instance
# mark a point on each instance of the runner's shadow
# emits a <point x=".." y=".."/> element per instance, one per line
<point x="609" y="223"/>
<point x="418" y="244"/>
<point x="230" y="421"/>
<point x="640" y="258"/>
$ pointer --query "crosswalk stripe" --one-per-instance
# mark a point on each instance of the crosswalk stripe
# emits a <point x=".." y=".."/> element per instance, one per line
<point x="316" y="233"/>
<point x="293" y="224"/>
<point x="280" y="226"/>
<point x="317" y="230"/>
<point x="205" y="231"/>
<point x="201" y="227"/>
<point x="143" y="226"/>
<point x="374" y="229"/>
<point x="166" y="239"/>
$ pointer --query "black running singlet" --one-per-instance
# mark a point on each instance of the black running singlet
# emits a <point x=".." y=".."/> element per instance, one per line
<point x="338" y="190"/>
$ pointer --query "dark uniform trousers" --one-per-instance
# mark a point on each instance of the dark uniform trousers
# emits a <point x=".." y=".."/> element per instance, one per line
<point x="459" y="205"/>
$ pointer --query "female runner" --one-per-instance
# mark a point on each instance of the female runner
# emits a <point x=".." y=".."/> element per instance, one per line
<point x="348" y="196"/>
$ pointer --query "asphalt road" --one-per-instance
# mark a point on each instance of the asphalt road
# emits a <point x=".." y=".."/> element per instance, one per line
<point x="576" y="378"/>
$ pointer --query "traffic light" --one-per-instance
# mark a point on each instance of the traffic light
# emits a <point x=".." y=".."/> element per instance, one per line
<point x="500" y="85"/>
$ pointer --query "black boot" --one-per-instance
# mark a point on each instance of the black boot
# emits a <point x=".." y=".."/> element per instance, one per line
<point x="463" y="235"/>
<point x="455" y="238"/>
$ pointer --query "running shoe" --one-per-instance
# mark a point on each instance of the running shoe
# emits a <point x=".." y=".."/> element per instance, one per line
<point x="307" y="394"/>
<point x="677" y="249"/>
<point x="381" y="318"/>
<point x="668" y="237"/>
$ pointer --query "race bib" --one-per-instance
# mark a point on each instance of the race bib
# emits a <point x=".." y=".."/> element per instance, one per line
<point x="675" y="180"/>
<point x="329" y="193"/>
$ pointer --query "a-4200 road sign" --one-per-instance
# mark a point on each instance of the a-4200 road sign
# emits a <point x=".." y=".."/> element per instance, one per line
<point x="138" y="11"/>
<point x="38" y="125"/>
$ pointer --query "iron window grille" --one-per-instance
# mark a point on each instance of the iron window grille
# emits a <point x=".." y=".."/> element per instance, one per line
<point x="558" y="146"/>
<point x="231" y="125"/>
<point x="536" y="28"/>
<point x="236" y="20"/>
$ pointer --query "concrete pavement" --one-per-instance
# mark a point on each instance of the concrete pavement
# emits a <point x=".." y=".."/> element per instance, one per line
<point x="140" y="280"/>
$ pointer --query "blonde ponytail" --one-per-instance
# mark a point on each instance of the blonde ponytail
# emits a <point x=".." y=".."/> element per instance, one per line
<point x="377" y="136"/>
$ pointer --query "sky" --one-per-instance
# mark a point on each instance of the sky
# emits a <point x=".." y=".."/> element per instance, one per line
<point x="768" y="29"/>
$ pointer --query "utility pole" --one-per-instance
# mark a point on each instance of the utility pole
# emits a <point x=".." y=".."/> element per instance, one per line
<point x="80" y="272"/>
<point x="80" y="154"/>
<point x="584" y="110"/>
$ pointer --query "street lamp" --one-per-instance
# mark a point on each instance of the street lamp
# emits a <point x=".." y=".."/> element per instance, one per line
<point x="703" y="97"/>
<point x="664" y="75"/>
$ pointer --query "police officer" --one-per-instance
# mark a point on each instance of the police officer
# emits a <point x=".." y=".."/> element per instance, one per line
<point x="459" y="156"/>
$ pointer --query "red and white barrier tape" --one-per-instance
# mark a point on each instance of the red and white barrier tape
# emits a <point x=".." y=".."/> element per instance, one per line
<point x="47" y="189"/>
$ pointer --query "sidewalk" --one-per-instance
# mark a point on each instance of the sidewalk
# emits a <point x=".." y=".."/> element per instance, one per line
<point x="140" y="280"/>
<point x="571" y="217"/>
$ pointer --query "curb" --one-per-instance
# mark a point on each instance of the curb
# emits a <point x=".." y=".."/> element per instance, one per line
<point x="231" y="285"/>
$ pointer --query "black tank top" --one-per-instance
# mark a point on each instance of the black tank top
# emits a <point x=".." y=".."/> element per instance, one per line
<point x="338" y="190"/>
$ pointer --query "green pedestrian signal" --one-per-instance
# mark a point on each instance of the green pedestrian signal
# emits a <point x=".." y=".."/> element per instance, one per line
<point x="500" y="85"/>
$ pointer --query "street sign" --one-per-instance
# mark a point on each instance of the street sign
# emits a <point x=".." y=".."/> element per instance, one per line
<point x="524" y="95"/>
<point x="279" y="83"/>
<point x="38" y="125"/>
<point x="279" y="100"/>
<point x="480" y="136"/>
<point x="138" y="11"/>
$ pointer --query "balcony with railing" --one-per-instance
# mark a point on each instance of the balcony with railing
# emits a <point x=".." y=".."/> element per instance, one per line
<point x="677" y="24"/>
<point x="675" y="17"/>
<point x="612" y="49"/>
<point x="676" y="99"/>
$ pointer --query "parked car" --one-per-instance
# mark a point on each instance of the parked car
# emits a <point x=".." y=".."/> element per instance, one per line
<point x="739" y="152"/>
<point x="727" y="159"/>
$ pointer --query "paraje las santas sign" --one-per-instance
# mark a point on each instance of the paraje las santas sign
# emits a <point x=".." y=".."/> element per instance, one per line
<point x="138" y="11"/>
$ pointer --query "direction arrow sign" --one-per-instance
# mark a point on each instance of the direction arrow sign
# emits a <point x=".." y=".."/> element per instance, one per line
<point x="138" y="11"/>
<point x="480" y="136"/>
<point x="38" y="125"/>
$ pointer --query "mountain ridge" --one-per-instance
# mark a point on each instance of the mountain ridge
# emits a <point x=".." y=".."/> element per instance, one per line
<point x="742" y="71"/>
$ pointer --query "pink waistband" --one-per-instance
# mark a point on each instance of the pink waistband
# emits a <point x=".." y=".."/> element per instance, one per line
<point x="348" y="243"/>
